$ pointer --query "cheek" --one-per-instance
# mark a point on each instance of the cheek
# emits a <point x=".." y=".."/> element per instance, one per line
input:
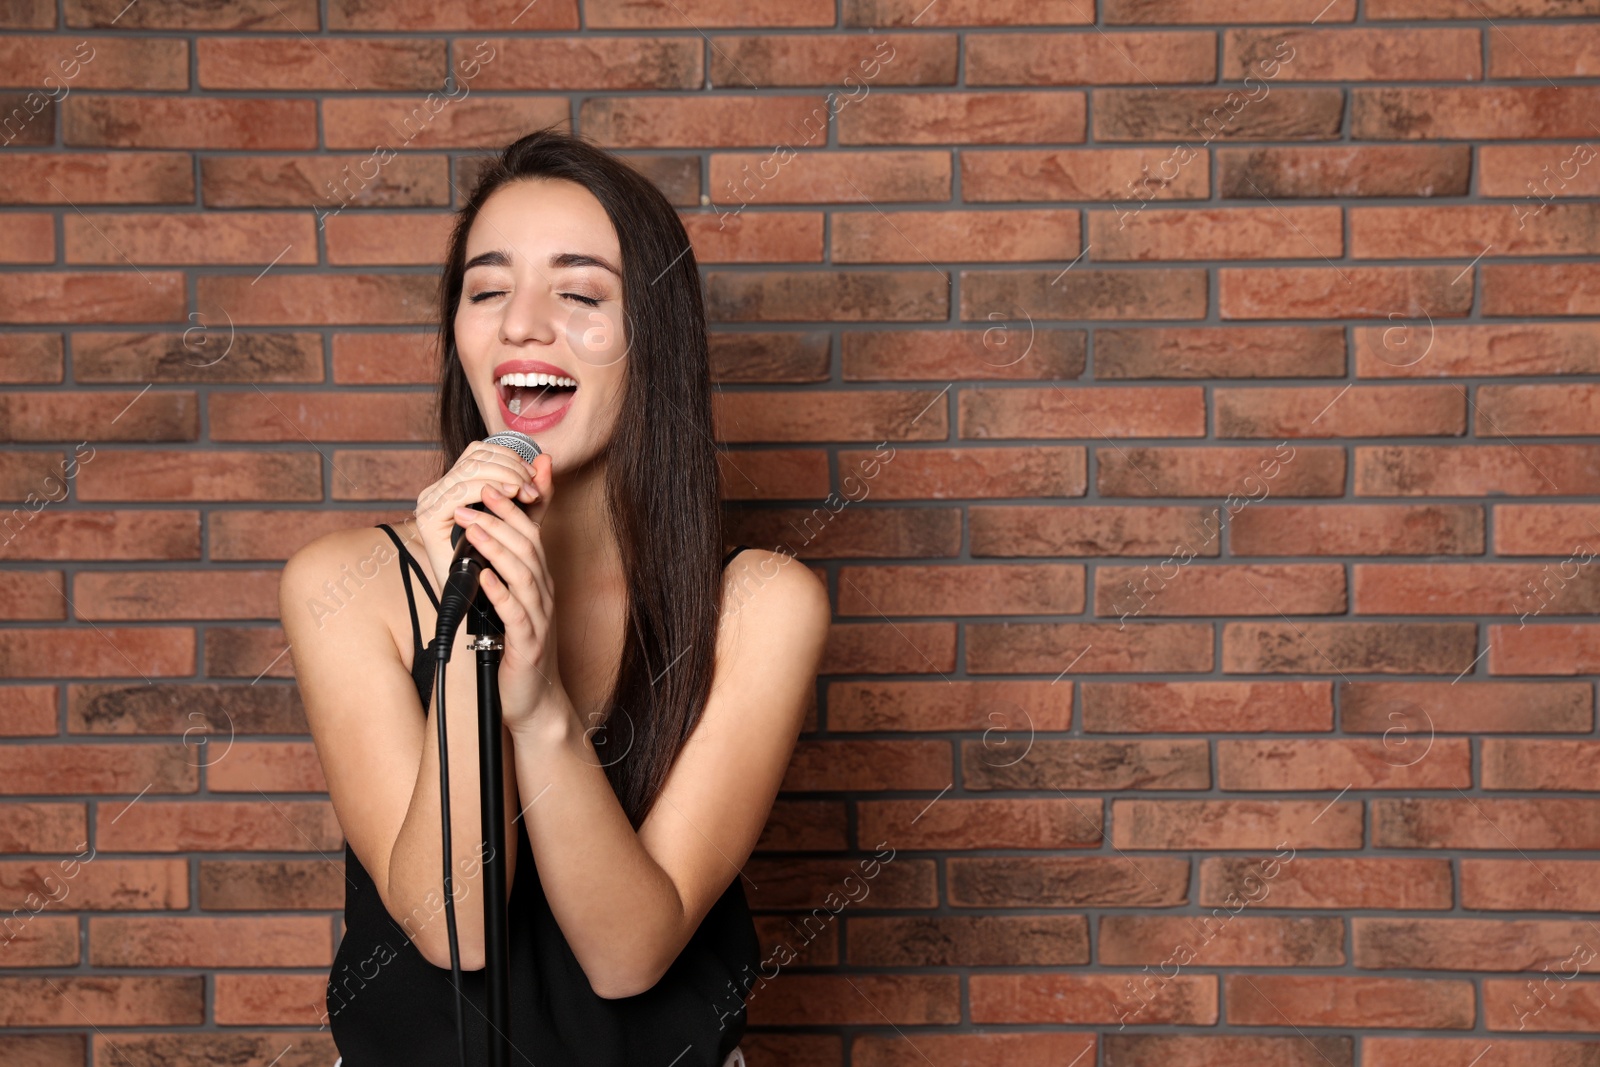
<point x="596" y="337"/>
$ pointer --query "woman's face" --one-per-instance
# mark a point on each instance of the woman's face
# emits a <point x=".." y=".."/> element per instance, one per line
<point x="540" y="326"/>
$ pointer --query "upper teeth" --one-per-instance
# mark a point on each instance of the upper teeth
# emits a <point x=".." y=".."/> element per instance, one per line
<point x="534" y="379"/>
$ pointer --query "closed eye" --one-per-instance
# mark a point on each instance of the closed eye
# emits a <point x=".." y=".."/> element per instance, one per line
<point x="478" y="298"/>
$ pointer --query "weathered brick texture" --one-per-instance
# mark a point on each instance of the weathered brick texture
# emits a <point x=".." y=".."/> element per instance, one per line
<point x="1194" y="406"/>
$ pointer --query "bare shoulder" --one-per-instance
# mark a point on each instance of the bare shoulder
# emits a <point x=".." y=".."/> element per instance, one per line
<point x="339" y="583"/>
<point x="771" y="599"/>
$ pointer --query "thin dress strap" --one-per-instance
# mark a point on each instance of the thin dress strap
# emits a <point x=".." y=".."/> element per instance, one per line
<point x="408" y="563"/>
<point x="731" y="553"/>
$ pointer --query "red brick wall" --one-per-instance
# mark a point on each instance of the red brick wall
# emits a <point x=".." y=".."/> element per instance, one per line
<point x="1209" y="414"/>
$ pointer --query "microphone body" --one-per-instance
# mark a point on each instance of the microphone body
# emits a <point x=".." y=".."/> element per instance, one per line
<point x="461" y="585"/>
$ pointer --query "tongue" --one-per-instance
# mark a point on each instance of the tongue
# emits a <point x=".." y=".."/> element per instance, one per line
<point x="540" y="400"/>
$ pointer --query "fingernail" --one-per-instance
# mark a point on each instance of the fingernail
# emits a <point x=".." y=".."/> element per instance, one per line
<point x="510" y="488"/>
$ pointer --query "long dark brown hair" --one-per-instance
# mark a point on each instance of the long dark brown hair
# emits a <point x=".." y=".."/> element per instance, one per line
<point x="662" y="488"/>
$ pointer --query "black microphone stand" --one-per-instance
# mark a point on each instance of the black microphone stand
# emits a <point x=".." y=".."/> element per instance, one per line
<point x="483" y="622"/>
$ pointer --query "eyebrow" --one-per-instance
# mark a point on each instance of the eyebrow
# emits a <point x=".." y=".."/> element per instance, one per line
<point x="498" y="258"/>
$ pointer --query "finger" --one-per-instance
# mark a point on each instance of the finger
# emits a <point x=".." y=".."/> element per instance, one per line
<point x="512" y="570"/>
<point x="507" y="523"/>
<point x="513" y="616"/>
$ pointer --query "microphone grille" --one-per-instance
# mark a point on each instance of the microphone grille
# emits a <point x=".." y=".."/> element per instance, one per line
<point x="520" y="443"/>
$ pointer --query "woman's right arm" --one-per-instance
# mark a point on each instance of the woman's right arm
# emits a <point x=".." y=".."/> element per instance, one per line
<point x="379" y="750"/>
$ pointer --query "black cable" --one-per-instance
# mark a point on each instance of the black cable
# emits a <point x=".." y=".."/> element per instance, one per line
<point x="441" y="649"/>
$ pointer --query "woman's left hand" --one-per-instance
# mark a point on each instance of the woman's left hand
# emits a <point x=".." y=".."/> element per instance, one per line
<point x="523" y="594"/>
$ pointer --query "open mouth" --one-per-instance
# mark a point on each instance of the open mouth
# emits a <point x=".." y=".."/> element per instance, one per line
<point x="535" y="396"/>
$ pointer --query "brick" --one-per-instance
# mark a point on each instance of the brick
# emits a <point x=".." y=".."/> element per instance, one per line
<point x="128" y="121"/>
<point x="91" y="768"/>
<point x="36" y="478"/>
<point x="1204" y="11"/>
<point x="1105" y="765"/>
<point x="1465" y="230"/>
<point x="44" y="828"/>
<point x="773" y="357"/>
<point x="973" y="589"/>
<point x="30" y="119"/>
<point x="384" y="359"/>
<point x="765" y="237"/>
<point x="1088" y="999"/>
<point x="387" y="474"/>
<point x="965" y="941"/>
<point x="377" y="239"/>
<point x="1472" y="113"/>
<point x="939" y="474"/>
<point x="269" y="999"/>
<point x="184" y="707"/>
<point x="920" y="236"/>
<point x="1479" y="470"/>
<point x="240" y="15"/>
<point x="299" y="416"/>
<point x="852" y="533"/>
<point x="1007" y="350"/>
<point x="1090" y="59"/>
<point x="1458" y="1052"/>
<point x="1351" y="1001"/>
<point x="1510" y="763"/>
<point x="861" y="765"/>
<point x="326" y="183"/>
<point x="1537" y="171"/>
<point x="181" y="476"/>
<point x="97" y="652"/>
<point x="1525" y="289"/>
<point x="1334" y="292"/>
<point x="1177" y="411"/>
<point x="717" y="122"/>
<point x="1088" y="648"/>
<point x="1359" y="530"/>
<point x="1516" y="885"/>
<point x="835" y="1000"/>
<point x="202" y="941"/>
<point x="95" y="296"/>
<point x="33" y="359"/>
<point x="641" y="14"/>
<point x="103" y="1000"/>
<point x="966" y="13"/>
<point x="1158" y="1050"/>
<point x="952" y="705"/>
<point x="1551" y="648"/>
<point x="821" y="177"/>
<point x="836" y="296"/>
<point x="1544" y="529"/>
<point x="1537" y="409"/>
<point x="278" y="534"/>
<point x="209" y="352"/>
<point x="1479" y="9"/>
<point x="39" y="595"/>
<point x="1220" y="352"/>
<point x="1217" y="233"/>
<point x="1335" y="55"/>
<point x="184" y="238"/>
<point x="1344" y="411"/>
<point x="1206" y="707"/>
<point x="30" y="711"/>
<point x="29" y="15"/>
<point x="166" y="594"/>
<point x="100" y="416"/>
<point x="1389" y="883"/>
<point x="1478" y="708"/>
<point x="358" y="123"/>
<point x="836" y="60"/>
<point x="1174" y="293"/>
<point x="1517" y="1004"/>
<point x="29" y="239"/>
<point x="890" y="648"/>
<point x="1344" y="171"/>
<point x="327" y="65"/>
<point x="1217" y="113"/>
<point x="219" y="826"/>
<point x="1485" y="350"/>
<point x="1485" y="822"/>
<point x="1258" y="589"/>
<point x="1477" y="589"/>
<point x="903" y="416"/>
<point x="1191" y="825"/>
<point x="1210" y="471"/>
<point x="101" y="535"/>
<point x="1452" y="944"/>
<point x="781" y="475"/>
<point x="254" y="885"/>
<point x="1348" y="647"/>
<point x="1088" y="530"/>
<point x="253" y="652"/>
<point x="1221" y="941"/>
<point x="1561" y="51"/>
<point x="1084" y="174"/>
<point x="314" y="300"/>
<point x="591" y="63"/>
<point x="412" y="16"/>
<point x="1066" y="882"/>
<point x="1342" y="763"/>
<point x="964" y="117"/>
<point x="977" y="824"/>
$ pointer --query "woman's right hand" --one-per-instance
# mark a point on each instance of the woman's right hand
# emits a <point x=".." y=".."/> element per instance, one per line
<point x="462" y="486"/>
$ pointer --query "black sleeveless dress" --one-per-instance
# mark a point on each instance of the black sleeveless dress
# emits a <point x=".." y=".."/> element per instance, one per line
<point x="390" y="1007"/>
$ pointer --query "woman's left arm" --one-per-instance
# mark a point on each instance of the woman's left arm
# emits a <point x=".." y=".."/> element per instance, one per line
<point x="629" y="902"/>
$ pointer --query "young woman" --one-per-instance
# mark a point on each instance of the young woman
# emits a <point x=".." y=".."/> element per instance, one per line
<point x="653" y="687"/>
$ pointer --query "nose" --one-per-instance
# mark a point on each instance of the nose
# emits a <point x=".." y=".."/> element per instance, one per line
<point x="531" y="315"/>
